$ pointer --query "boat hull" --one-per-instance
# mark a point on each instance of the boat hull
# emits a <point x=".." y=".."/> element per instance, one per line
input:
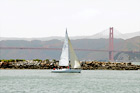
<point x="66" y="71"/>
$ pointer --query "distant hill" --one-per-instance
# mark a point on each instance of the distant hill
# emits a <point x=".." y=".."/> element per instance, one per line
<point x="117" y="34"/>
<point x="132" y="44"/>
<point x="103" y="34"/>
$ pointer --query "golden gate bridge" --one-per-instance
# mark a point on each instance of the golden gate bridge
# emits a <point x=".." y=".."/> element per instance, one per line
<point x="110" y="50"/>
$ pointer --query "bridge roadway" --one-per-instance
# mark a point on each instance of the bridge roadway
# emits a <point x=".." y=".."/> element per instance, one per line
<point x="41" y="48"/>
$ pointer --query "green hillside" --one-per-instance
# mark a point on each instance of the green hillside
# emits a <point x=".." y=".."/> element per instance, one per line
<point x="132" y="44"/>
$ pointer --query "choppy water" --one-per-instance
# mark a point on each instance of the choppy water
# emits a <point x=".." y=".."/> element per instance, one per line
<point x="89" y="81"/>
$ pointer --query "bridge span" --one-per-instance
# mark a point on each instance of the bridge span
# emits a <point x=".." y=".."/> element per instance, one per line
<point x="43" y="48"/>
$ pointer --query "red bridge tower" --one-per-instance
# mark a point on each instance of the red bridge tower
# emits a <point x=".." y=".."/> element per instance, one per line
<point x="111" y="45"/>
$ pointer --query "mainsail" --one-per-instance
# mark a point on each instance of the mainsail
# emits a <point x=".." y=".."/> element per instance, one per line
<point x="64" y="59"/>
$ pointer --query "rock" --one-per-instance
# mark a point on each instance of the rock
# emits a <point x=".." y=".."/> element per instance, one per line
<point x="1" y="64"/>
<point x="129" y="64"/>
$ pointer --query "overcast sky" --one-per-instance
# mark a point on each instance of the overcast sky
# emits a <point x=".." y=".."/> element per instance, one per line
<point x="44" y="18"/>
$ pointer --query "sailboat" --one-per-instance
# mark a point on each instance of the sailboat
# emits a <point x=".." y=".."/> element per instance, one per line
<point x="68" y="53"/>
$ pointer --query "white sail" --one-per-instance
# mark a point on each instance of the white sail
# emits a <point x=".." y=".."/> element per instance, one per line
<point x="64" y="58"/>
<point x="74" y="62"/>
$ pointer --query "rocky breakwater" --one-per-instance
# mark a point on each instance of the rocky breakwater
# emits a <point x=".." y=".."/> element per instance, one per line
<point x="95" y="65"/>
<point x="29" y="64"/>
<point x="47" y="64"/>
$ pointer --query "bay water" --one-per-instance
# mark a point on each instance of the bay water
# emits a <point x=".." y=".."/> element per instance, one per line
<point x="88" y="81"/>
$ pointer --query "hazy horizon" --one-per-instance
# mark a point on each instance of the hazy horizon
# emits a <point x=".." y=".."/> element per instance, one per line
<point x="64" y="36"/>
<point x="46" y="18"/>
